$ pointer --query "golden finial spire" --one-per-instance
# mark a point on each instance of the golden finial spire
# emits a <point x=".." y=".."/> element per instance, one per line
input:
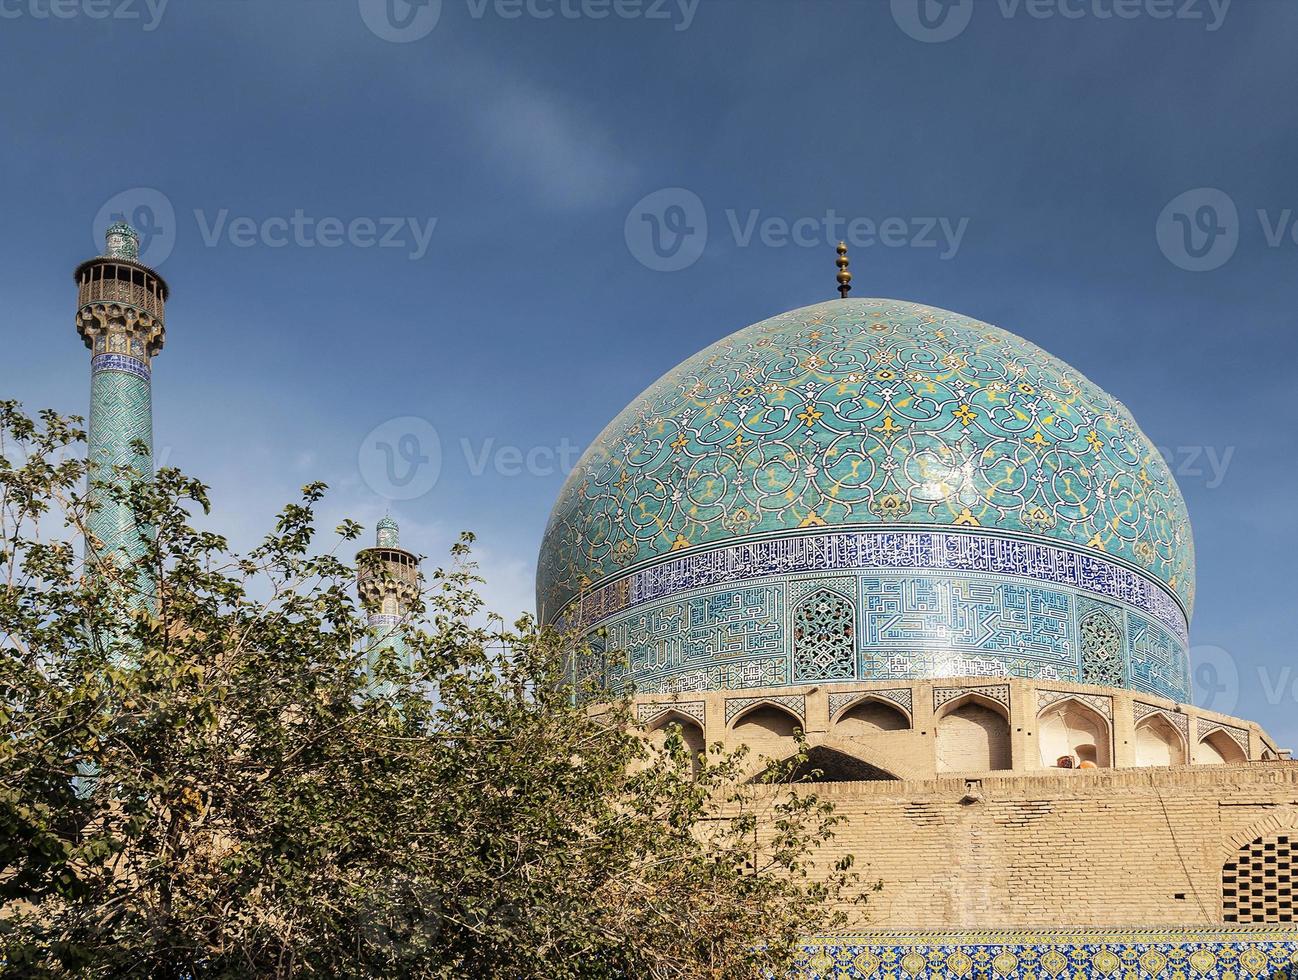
<point x="844" y="277"/>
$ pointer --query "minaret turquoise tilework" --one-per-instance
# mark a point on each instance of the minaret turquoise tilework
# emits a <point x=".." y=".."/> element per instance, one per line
<point x="121" y="320"/>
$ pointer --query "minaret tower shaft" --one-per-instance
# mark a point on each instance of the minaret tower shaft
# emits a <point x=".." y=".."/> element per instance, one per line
<point x="387" y="580"/>
<point x="120" y="315"/>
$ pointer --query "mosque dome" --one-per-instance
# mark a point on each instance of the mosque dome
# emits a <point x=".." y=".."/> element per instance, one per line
<point x="865" y="489"/>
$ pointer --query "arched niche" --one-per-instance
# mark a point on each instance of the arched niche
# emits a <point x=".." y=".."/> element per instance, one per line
<point x="1217" y="748"/>
<point x="660" y="730"/>
<point x="1158" y="743"/>
<point x="1074" y="729"/>
<point x="767" y="729"/>
<point x="973" y="735"/>
<point x="869" y="716"/>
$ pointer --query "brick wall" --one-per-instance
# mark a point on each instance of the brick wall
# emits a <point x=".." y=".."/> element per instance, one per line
<point x="1058" y="849"/>
<point x="1029" y="846"/>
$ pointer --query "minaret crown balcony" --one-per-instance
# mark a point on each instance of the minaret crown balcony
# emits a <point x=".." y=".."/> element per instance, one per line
<point x="121" y="303"/>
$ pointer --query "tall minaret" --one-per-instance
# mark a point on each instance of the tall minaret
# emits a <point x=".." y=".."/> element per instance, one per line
<point x="120" y="312"/>
<point x="387" y="579"/>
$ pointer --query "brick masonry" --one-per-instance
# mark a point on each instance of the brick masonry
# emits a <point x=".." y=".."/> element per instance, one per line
<point x="1064" y="849"/>
<point x="1028" y="847"/>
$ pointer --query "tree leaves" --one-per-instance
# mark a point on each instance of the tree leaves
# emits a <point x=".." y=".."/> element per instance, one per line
<point x="213" y="784"/>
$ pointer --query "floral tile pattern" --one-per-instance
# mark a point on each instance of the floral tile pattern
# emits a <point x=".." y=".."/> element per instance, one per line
<point x="1188" y="954"/>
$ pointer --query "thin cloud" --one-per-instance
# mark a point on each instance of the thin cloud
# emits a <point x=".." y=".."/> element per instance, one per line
<point x="567" y="161"/>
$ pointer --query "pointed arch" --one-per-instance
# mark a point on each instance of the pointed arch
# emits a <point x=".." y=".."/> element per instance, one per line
<point x="767" y="716"/>
<point x="973" y="696"/>
<point x="870" y="714"/>
<point x="973" y="735"/>
<point x="666" y="719"/>
<point x="1071" y="727"/>
<point x="660" y="729"/>
<point x="1159" y="742"/>
<point x="1216" y="748"/>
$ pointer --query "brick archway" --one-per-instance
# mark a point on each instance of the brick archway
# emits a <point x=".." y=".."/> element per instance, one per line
<point x="1281" y="820"/>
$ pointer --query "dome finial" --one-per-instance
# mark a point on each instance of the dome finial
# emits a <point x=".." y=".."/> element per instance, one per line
<point x="844" y="277"/>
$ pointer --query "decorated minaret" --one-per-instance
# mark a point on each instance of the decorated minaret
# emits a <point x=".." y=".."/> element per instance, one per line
<point x="120" y="314"/>
<point x="388" y="582"/>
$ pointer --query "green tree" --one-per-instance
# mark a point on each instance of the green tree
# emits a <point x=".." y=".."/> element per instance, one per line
<point x="198" y="778"/>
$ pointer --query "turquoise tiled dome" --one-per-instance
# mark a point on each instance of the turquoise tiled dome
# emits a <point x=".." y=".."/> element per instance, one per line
<point x="867" y="415"/>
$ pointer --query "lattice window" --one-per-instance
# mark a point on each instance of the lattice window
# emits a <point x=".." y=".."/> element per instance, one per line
<point x="824" y="637"/>
<point x="1101" y="650"/>
<point x="1258" y="885"/>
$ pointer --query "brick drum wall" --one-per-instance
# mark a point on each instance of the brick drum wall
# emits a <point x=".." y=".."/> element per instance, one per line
<point x="1058" y="849"/>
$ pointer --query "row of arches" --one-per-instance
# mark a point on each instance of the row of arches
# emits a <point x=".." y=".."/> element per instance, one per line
<point x="768" y="729"/>
<point x="1072" y="730"/>
<point x="972" y="734"/>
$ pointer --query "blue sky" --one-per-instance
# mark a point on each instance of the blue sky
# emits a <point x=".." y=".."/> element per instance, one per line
<point x="515" y="308"/>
